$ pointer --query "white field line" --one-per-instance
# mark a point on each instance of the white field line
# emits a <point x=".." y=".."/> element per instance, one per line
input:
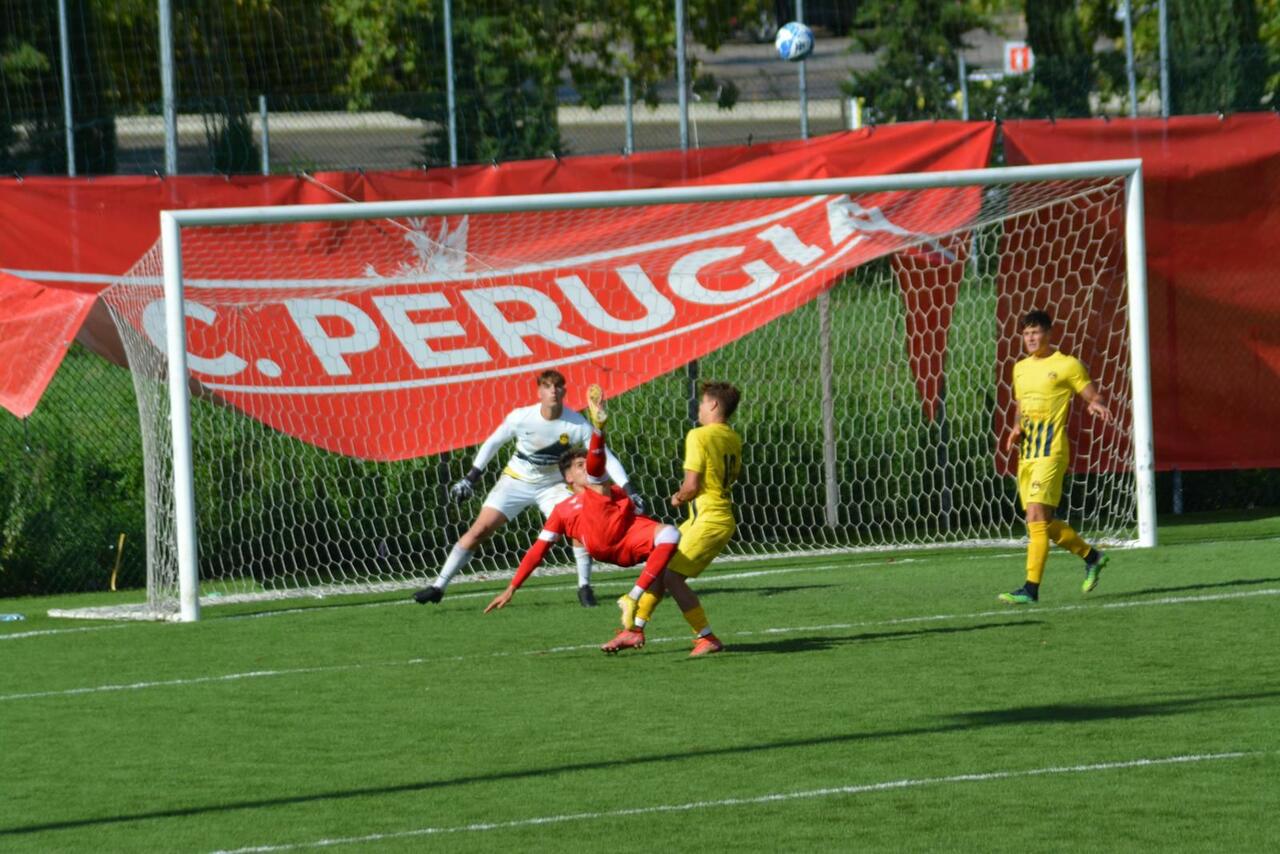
<point x="278" y="612"/>
<point x="771" y="798"/>
<point x="1013" y="613"/>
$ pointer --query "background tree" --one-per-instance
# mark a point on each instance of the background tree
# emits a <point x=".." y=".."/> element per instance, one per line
<point x="1216" y="58"/>
<point x="916" y="42"/>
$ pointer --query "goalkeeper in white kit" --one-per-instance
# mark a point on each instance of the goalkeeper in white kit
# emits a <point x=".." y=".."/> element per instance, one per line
<point x="542" y="433"/>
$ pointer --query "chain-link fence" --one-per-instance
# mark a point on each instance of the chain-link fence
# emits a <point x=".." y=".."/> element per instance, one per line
<point x="290" y="85"/>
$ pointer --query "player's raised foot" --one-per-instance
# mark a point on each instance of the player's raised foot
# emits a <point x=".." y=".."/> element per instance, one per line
<point x="1093" y="566"/>
<point x="586" y="596"/>
<point x="624" y="639"/>
<point x="627" y="606"/>
<point x="595" y="406"/>
<point x="706" y="645"/>
<point x="1021" y="596"/>
<point x="428" y="594"/>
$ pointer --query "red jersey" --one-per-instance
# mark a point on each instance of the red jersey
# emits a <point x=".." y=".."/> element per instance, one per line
<point x="607" y="525"/>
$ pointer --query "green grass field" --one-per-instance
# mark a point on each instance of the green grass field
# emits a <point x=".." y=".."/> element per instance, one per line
<point x="881" y="702"/>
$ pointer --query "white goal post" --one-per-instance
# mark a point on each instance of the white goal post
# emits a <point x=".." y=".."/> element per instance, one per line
<point x="1066" y="236"/>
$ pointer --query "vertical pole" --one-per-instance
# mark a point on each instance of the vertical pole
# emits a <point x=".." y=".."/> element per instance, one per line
<point x="1164" y="59"/>
<point x="629" y="105"/>
<point x="1177" y="492"/>
<point x="1128" y="59"/>
<point x="64" y="45"/>
<point x="167" y="89"/>
<point x="1144" y="469"/>
<point x="682" y="74"/>
<point x="451" y="102"/>
<point x="804" y="82"/>
<point x="184" y="496"/>
<point x="826" y="372"/>
<point x="266" y="135"/>
<point x="963" y="71"/>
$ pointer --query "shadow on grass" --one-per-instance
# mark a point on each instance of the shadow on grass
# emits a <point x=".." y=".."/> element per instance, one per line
<point x="775" y="590"/>
<point x="812" y="644"/>
<point x="966" y="722"/>
<point x="1184" y="588"/>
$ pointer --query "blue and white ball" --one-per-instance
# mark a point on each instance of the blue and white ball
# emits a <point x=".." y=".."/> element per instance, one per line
<point x="793" y="42"/>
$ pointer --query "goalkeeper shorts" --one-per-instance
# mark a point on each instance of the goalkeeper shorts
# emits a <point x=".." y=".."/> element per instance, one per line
<point x="511" y="496"/>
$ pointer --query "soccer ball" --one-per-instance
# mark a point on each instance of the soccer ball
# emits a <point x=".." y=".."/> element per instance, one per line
<point x="794" y="41"/>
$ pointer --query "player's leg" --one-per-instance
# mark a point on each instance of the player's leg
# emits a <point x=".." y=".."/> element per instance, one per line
<point x="487" y="521"/>
<point x="705" y="640"/>
<point x="1094" y="559"/>
<point x="1039" y="495"/>
<point x="700" y="543"/>
<point x="548" y="497"/>
<point x="664" y="538"/>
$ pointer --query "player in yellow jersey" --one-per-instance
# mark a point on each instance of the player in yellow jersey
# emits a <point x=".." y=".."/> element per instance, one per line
<point x="712" y="463"/>
<point x="1043" y="385"/>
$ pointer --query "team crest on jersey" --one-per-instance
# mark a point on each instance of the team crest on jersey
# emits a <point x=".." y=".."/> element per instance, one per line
<point x="564" y="438"/>
<point x="1035" y="486"/>
<point x="1053" y="377"/>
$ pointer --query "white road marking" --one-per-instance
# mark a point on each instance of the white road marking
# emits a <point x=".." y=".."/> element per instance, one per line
<point x="771" y="798"/>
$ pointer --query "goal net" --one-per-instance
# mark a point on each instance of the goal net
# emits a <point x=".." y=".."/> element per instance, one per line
<point x="338" y="365"/>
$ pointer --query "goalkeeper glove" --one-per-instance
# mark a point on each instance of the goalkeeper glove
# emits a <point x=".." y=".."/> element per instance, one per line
<point x="463" y="489"/>
<point x="636" y="498"/>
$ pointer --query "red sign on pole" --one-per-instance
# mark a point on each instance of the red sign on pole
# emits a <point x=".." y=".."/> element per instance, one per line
<point x="1018" y="58"/>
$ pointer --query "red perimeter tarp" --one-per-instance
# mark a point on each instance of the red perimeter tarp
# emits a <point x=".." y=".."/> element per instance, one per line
<point x="371" y="356"/>
<point x="1212" y="193"/>
<point x="37" y="325"/>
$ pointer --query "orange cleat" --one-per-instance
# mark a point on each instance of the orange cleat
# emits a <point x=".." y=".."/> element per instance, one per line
<point x="706" y="645"/>
<point x="624" y="639"/>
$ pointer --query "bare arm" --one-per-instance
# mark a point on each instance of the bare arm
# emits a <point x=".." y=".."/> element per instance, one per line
<point x="1014" y="435"/>
<point x="1097" y="406"/>
<point x="688" y="489"/>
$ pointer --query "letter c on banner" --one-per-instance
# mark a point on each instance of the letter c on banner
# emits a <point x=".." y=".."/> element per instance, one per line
<point x="153" y="323"/>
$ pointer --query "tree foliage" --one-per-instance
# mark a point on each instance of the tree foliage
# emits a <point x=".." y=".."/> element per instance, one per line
<point x="916" y="42"/>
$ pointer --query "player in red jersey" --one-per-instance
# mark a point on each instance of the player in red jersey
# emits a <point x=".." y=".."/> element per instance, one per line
<point x="599" y="514"/>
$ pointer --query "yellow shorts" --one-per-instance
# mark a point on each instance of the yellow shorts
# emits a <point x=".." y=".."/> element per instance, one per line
<point x="1040" y="481"/>
<point x="701" y="539"/>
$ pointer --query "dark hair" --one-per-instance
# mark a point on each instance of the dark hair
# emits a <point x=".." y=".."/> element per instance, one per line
<point x="1036" y="318"/>
<point x="567" y="458"/>
<point x="551" y="377"/>
<point x="725" y="394"/>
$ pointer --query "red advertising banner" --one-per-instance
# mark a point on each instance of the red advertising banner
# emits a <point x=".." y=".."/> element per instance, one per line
<point x="37" y="325"/>
<point x="353" y="326"/>
<point x="1211" y="186"/>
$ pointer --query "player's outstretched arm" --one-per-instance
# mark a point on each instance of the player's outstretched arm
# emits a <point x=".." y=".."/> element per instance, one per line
<point x="531" y="561"/>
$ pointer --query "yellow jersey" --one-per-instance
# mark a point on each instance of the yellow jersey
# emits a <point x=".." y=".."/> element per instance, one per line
<point x="1043" y="388"/>
<point x="715" y="452"/>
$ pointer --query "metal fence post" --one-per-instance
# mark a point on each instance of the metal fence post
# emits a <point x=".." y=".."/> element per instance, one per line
<point x="1128" y="59"/>
<point x="1164" y="59"/>
<point x="266" y="135"/>
<point x="64" y="44"/>
<point x="682" y="74"/>
<point x="167" y="89"/>
<point x="963" y="70"/>
<point x="450" y="96"/>
<point x="629" y="146"/>
<point x="804" y="82"/>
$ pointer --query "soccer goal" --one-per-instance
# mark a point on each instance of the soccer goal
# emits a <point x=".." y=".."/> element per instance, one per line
<point x="311" y="378"/>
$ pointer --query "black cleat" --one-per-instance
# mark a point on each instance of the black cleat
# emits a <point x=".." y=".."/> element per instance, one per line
<point x="587" y="596"/>
<point x="428" y="594"/>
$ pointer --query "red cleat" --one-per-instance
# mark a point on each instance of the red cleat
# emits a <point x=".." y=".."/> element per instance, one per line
<point x="706" y="645"/>
<point x="624" y="639"/>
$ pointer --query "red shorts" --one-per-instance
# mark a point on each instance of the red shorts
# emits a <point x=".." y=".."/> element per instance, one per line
<point x="633" y="547"/>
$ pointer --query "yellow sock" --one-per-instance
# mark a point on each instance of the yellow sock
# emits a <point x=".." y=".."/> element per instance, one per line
<point x="1037" y="551"/>
<point x="644" y="610"/>
<point x="1065" y="536"/>
<point x="697" y="619"/>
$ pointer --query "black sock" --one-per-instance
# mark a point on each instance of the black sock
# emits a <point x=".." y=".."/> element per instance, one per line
<point x="1033" y="587"/>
